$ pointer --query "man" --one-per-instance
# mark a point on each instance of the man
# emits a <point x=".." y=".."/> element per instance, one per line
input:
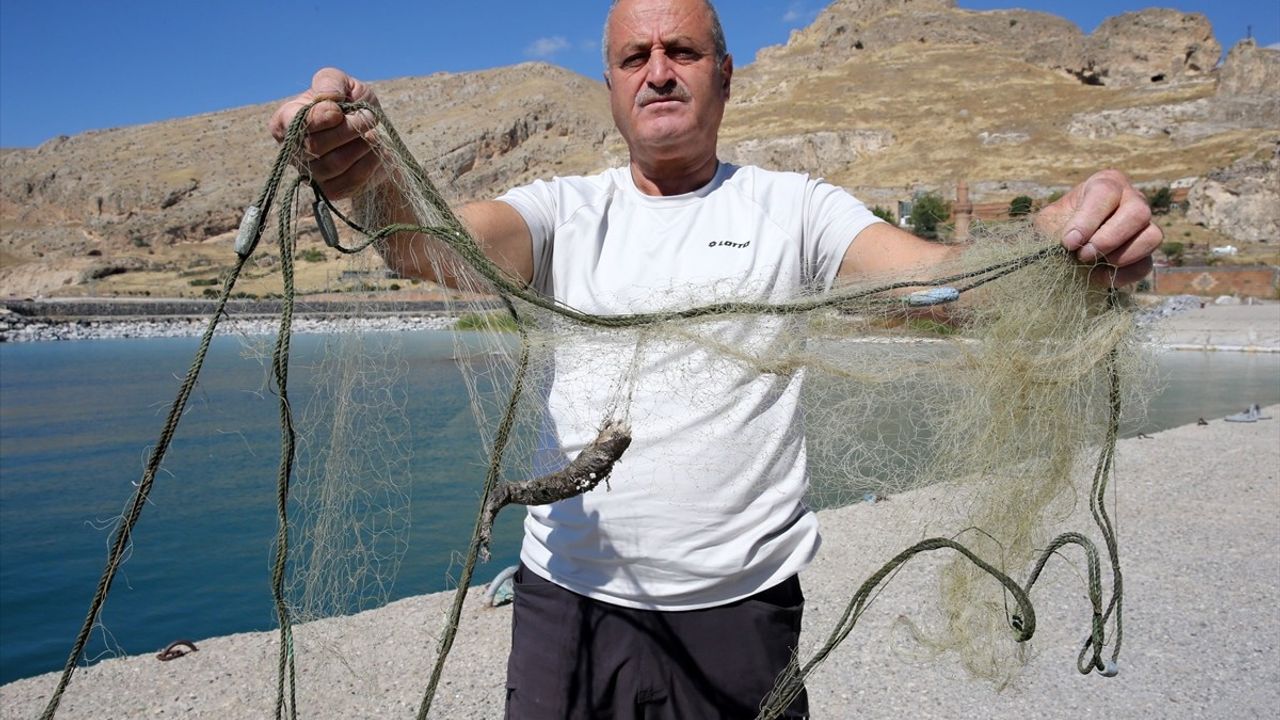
<point x="670" y="597"/>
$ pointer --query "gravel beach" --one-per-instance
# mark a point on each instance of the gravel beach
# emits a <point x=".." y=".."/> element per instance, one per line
<point x="1250" y="328"/>
<point x="1199" y="522"/>
<point x="1178" y="323"/>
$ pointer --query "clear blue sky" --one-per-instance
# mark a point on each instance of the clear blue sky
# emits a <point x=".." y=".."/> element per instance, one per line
<point x="68" y="66"/>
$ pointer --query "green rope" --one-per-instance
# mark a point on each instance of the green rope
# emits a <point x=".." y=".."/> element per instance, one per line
<point x="288" y="437"/>
<point x="500" y="443"/>
<point x="123" y="533"/>
<point x="1097" y="502"/>
<point x="455" y="236"/>
<point x="791" y="683"/>
<point x="452" y="233"/>
<point x="1023" y="622"/>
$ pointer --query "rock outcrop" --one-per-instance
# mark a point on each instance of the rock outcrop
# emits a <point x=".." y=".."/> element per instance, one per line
<point x="1153" y="45"/>
<point x="1249" y="85"/>
<point x="1241" y="201"/>
<point x="811" y="152"/>
<point x="1181" y="121"/>
<point x="1247" y="96"/>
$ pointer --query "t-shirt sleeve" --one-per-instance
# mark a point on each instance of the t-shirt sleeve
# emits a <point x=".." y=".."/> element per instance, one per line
<point x="537" y="204"/>
<point x="832" y="219"/>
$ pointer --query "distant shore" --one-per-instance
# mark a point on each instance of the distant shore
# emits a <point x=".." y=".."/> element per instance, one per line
<point x="111" y="318"/>
<point x="104" y="329"/>
<point x="1247" y="328"/>
<point x="1225" y="328"/>
<point x="1197" y="508"/>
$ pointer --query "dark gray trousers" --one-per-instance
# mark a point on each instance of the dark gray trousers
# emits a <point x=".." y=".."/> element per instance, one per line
<point x="574" y="657"/>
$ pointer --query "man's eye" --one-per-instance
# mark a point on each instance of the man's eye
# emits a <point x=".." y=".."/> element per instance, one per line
<point x="684" y="54"/>
<point x="634" y="61"/>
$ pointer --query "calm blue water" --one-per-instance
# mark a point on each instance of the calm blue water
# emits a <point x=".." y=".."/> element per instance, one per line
<point x="76" y="422"/>
<point x="77" y="418"/>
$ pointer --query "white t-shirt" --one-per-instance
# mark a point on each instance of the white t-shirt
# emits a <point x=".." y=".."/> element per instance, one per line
<point x="707" y="505"/>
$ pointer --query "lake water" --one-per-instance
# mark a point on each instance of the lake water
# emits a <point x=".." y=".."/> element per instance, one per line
<point x="76" y="422"/>
<point x="77" y="419"/>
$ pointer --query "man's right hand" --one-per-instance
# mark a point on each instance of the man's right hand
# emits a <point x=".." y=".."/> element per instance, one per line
<point x="337" y="151"/>
<point x="340" y="153"/>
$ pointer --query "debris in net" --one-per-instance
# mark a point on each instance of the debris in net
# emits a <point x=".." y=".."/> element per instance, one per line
<point x="583" y="474"/>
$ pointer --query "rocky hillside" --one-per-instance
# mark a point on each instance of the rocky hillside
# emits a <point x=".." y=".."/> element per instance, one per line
<point x="1155" y="45"/>
<point x="137" y="204"/>
<point x="888" y="95"/>
<point x="882" y="96"/>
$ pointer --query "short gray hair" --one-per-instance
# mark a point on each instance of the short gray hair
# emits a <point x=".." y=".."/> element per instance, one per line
<point x="717" y="34"/>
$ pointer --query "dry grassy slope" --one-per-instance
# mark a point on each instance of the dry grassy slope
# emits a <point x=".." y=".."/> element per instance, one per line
<point x="937" y="100"/>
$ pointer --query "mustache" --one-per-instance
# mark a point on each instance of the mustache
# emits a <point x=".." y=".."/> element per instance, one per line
<point x="649" y="94"/>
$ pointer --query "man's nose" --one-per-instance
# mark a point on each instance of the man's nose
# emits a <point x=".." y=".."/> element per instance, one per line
<point x="659" y="74"/>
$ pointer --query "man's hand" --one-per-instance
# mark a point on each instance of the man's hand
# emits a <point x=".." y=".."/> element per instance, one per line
<point x="1106" y="221"/>
<point x="337" y="151"/>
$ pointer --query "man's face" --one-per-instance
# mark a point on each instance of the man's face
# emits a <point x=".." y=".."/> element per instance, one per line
<point x="666" y="88"/>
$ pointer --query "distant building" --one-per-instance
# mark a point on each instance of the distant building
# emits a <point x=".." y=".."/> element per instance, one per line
<point x="378" y="274"/>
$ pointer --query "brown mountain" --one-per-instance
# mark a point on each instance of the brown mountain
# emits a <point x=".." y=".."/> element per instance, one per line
<point x="882" y="96"/>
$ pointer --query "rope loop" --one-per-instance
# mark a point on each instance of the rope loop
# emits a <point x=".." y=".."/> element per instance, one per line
<point x="450" y="230"/>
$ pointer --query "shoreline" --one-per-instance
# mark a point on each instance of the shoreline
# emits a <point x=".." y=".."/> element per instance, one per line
<point x="115" y="329"/>
<point x="116" y="318"/>
<point x="1199" y="518"/>
<point x="1253" y="328"/>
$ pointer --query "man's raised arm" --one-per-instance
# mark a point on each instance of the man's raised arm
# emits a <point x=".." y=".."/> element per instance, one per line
<point x="1104" y="221"/>
<point x="339" y="155"/>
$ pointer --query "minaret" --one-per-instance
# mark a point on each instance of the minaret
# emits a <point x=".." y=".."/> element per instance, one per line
<point x="963" y="211"/>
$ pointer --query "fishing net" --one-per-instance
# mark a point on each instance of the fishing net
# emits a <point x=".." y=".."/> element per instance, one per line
<point x="1000" y="372"/>
<point x="350" y="537"/>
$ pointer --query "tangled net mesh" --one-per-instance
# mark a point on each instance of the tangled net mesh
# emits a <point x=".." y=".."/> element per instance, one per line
<point x="1004" y="395"/>
<point x="350" y="537"/>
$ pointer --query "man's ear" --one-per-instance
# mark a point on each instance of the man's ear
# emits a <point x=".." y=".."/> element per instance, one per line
<point x="726" y="74"/>
<point x="607" y="83"/>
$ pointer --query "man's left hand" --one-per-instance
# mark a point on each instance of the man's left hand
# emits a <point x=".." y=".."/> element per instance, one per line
<point x="1106" y="222"/>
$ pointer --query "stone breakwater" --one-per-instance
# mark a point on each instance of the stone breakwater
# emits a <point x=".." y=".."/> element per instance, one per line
<point x="31" y="321"/>
<point x="1182" y="323"/>
<point x="29" y="330"/>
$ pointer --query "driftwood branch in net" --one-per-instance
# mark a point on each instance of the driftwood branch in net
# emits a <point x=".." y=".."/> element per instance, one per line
<point x="583" y="474"/>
